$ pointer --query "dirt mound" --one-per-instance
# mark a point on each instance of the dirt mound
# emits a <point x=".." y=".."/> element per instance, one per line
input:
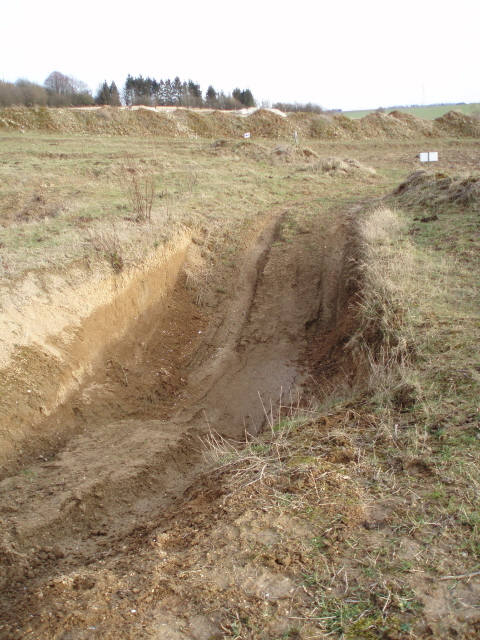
<point x="417" y="126"/>
<point x="293" y="155"/>
<point x="250" y="149"/>
<point x="458" y="125"/>
<point x="323" y="127"/>
<point x="392" y="126"/>
<point x="346" y="167"/>
<point x="281" y="154"/>
<point x="435" y="189"/>
<point x="266" y="124"/>
<point x="261" y="123"/>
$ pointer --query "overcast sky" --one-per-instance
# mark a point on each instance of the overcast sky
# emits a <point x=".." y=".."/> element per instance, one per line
<point x="355" y="54"/>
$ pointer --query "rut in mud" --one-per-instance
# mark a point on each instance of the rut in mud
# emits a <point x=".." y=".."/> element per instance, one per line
<point x="183" y="371"/>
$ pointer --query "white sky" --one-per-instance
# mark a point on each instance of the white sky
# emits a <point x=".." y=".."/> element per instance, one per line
<point x="354" y="54"/>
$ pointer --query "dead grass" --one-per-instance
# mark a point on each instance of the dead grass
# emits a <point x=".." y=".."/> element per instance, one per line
<point x="107" y="243"/>
<point x="345" y="167"/>
<point x="404" y="449"/>
<point x="58" y="189"/>
<point x="437" y="189"/>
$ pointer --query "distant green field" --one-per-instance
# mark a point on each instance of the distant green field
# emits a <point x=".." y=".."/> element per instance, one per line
<point x="429" y="112"/>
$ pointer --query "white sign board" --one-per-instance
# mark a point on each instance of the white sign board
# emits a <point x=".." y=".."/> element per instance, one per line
<point x="430" y="156"/>
<point x="246" y="135"/>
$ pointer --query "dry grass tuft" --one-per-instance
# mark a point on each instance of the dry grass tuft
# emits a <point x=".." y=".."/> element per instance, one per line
<point x="436" y="189"/>
<point x="106" y="242"/>
<point x="346" y="167"/>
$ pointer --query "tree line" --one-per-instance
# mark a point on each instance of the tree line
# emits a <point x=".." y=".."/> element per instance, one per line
<point x="59" y="90"/>
<point x="169" y="93"/>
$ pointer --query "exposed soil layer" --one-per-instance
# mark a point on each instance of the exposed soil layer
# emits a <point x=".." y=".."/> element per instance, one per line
<point x="131" y="435"/>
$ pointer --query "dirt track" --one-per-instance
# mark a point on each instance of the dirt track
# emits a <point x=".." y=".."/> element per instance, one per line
<point x="140" y="418"/>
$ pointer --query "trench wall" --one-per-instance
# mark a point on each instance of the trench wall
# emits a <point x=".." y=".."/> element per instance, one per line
<point x="55" y="329"/>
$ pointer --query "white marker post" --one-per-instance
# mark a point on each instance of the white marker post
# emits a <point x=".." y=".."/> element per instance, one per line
<point x="429" y="156"/>
<point x="246" y="135"/>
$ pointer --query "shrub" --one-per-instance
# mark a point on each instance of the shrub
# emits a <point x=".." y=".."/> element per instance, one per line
<point x="139" y="187"/>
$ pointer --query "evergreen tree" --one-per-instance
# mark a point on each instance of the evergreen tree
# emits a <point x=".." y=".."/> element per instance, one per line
<point x="168" y="92"/>
<point x="211" y="97"/>
<point x="161" y="93"/>
<point x="128" y="91"/>
<point x="114" y="95"/>
<point x="195" y="94"/>
<point x="177" y="91"/>
<point x="245" y="97"/>
<point x="103" y="94"/>
<point x="154" y="87"/>
<point x="248" y="99"/>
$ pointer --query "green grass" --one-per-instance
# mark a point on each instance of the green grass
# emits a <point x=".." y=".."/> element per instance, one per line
<point x="429" y="112"/>
<point x="57" y="190"/>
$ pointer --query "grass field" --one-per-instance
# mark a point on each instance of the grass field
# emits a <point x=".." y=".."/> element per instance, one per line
<point x="429" y="112"/>
<point x="56" y="191"/>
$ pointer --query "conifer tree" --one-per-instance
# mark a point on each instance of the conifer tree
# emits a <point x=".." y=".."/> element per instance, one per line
<point x="114" y="95"/>
<point x="211" y="97"/>
<point x="103" y="94"/>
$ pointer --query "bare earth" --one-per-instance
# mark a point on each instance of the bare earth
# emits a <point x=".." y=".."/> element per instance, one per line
<point x="126" y="467"/>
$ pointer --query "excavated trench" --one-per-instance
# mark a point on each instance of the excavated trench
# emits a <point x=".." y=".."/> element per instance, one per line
<point x="129" y="432"/>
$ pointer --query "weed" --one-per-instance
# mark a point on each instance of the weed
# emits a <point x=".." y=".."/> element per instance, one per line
<point x="106" y="242"/>
<point x="139" y="186"/>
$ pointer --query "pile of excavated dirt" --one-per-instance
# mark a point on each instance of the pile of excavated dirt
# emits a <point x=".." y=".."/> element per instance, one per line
<point x="346" y="167"/>
<point x="284" y="154"/>
<point x="242" y="149"/>
<point x="281" y="154"/>
<point x="457" y="124"/>
<point x="260" y="123"/>
<point x="383" y="126"/>
<point x="422" y="128"/>
<point x="435" y="189"/>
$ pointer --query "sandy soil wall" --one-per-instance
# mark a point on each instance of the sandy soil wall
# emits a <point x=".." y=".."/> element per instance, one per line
<point x="55" y="328"/>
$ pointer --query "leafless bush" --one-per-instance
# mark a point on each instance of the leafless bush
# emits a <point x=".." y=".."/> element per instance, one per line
<point x="139" y="187"/>
<point x="33" y="94"/>
<point x="289" y="107"/>
<point x="107" y="242"/>
<point x="9" y="94"/>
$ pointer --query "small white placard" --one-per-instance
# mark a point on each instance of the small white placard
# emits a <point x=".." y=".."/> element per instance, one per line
<point x="246" y="135"/>
<point x="430" y="156"/>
